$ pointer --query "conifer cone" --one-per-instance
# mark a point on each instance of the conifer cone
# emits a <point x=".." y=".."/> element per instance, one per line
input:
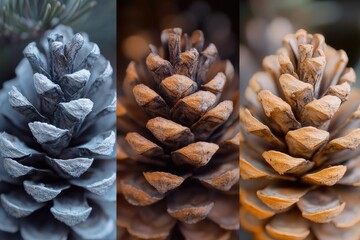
<point x="178" y="143"/>
<point x="299" y="154"/>
<point x="57" y="145"/>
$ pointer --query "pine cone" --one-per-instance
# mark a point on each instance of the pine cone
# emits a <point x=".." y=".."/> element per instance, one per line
<point x="299" y="156"/>
<point x="178" y="136"/>
<point x="57" y="143"/>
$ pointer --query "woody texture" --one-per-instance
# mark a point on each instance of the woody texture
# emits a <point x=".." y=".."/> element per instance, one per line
<point x="178" y="143"/>
<point x="299" y="154"/>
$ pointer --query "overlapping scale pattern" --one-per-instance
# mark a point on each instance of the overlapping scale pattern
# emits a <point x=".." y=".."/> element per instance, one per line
<point x="57" y="142"/>
<point x="299" y="149"/>
<point x="178" y="143"/>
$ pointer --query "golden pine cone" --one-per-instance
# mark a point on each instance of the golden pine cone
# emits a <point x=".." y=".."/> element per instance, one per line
<point x="299" y="154"/>
<point x="178" y="143"/>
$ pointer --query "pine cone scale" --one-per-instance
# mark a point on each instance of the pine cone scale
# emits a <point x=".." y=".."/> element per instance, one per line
<point x="172" y="158"/>
<point x="300" y="140"/>
<point x="54" y="170"/>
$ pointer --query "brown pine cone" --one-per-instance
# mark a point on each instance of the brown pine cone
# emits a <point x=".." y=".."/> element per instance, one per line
<point x="299" y="156"/>
<point x="178" y="143"/>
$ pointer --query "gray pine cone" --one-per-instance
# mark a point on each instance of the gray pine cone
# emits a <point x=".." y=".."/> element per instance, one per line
<point x="57" y="143"/>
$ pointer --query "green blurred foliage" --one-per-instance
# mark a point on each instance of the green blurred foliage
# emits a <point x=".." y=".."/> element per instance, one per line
<point x="96" y="18"/>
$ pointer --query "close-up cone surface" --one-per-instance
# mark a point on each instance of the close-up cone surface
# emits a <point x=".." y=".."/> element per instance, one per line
<point x="299" y="154"/>
<point x="57" y="142"/>
<point x="178" y="143"/>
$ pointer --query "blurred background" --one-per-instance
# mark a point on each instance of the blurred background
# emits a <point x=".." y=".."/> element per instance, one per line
<point x="140" y="22"/>
<point x="263" y="23"/>
<point x="95" y="17"/>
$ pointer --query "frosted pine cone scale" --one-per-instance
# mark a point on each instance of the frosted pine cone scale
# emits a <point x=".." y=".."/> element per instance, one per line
<point x="58" y="142"/>
<point x="299" y="144"/>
